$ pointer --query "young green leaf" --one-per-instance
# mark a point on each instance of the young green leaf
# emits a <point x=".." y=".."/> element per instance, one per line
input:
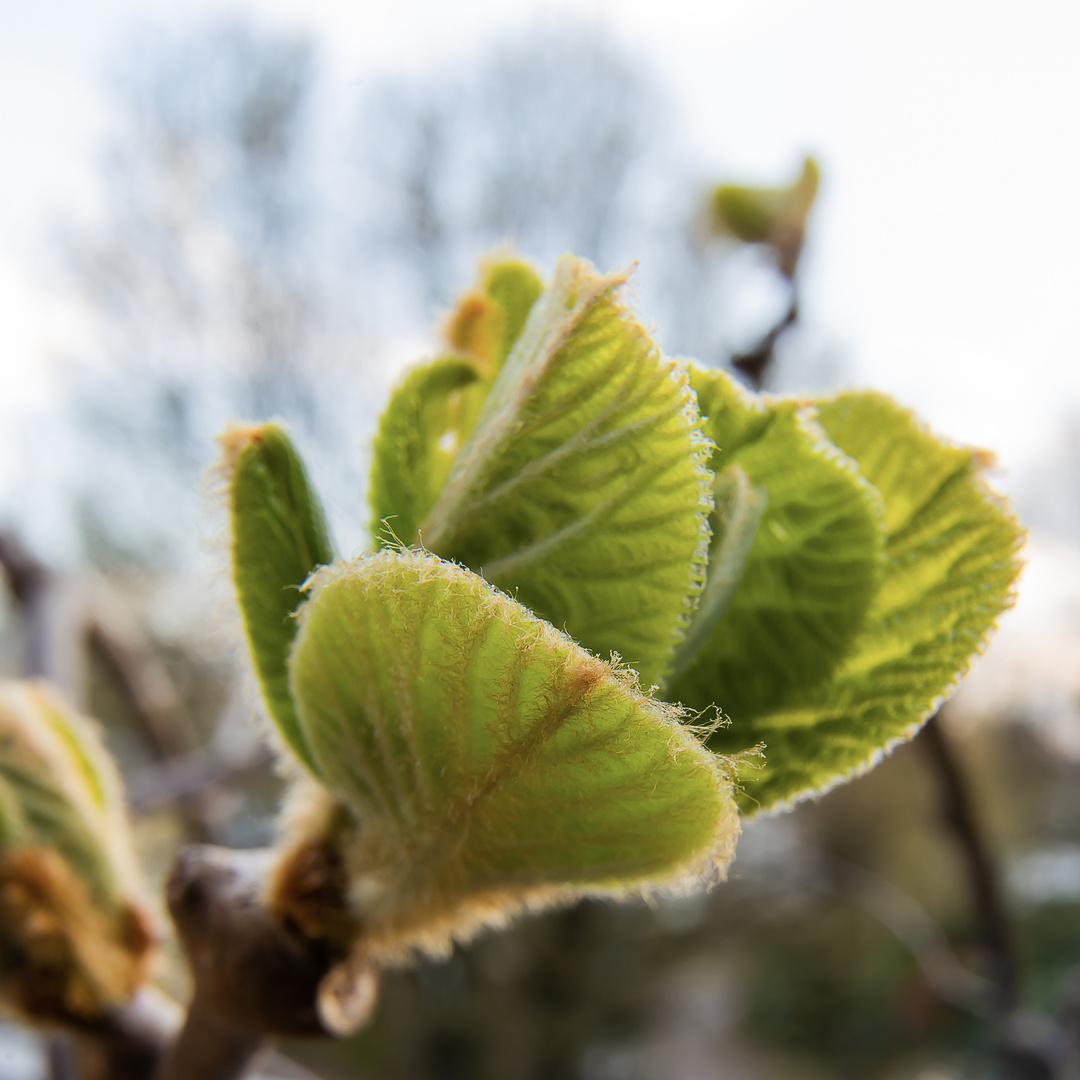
<point x="484" y="327"/>
<point x="279" y="536"/>
<point x="410" y="462"/>
<point x="488" y="319"/>
<point x="434" y="410"/>
<point x="950" y="564"/>
<point x="759" y="215"/>
<point x="583" y="489"/>
<point x="492" y="762"/>
<point x="794" y="563"/>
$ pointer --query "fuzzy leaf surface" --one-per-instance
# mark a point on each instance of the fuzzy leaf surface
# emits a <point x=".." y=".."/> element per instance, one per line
<point x="809" y="569"/>
<point x="492" y="762"/>
<point x="583" y="489"/>
<point x="279" y="536"/>
<point x="59" y="788"/>
<point x="950" y="563"/>
<point x="410" y="462"/>
<point x="73" y="940"/>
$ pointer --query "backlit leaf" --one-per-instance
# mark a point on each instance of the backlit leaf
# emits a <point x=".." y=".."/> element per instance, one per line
<point x="411" y="458"/>
<point x="583" y="489"/>
<point x="794" y="604"/>
<point x="484" y="327"/>
<point x="279" y="536"/>
<point x="488" y="319"/>
<point x="492" y="762"/>
<point x="950" y="564"/>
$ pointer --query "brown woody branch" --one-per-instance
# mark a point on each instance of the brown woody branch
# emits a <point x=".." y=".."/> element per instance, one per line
<point x="256" y="974"/>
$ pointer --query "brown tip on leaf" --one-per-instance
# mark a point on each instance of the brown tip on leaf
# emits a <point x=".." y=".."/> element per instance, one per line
<point x="473" y="328"/>
<point x="236" y="438"/>
<point x="588" y="672"/>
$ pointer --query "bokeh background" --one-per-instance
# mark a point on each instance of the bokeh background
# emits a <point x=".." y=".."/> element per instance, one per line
<point x="247" y="211"/>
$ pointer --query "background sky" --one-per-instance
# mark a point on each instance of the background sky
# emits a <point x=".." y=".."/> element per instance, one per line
<point x="944" y="258"/>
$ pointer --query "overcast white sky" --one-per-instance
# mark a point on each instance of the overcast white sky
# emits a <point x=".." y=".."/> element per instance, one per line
<point x="945" y="259"/>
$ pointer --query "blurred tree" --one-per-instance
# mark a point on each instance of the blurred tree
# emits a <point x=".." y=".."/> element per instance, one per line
<point x="208" y="273"/>
<point x="251" y="253"/>
<point x="544" y="143"/>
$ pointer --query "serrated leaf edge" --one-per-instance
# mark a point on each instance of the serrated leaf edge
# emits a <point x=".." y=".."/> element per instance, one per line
<point x="981" y="462"/>
<point x="316" y="808"/>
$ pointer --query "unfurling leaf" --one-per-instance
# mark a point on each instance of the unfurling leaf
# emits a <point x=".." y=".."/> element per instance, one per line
<point x="74" y="935"/>
<point x="489" y="319"/>
<point x="493" y="764"/>
<point x="484" y="327"/>
<point x="759" y="215"/>
<point x="411" y="462"/>
<point x="583" y="489"/>
<point x="949" y="566"/>
<point x="279" y="536"/>
<point x="807" y="575"/>
<point x="433" y="412"/>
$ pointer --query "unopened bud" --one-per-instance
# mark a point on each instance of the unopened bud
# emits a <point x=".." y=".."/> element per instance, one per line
<point x="75" y="933"/>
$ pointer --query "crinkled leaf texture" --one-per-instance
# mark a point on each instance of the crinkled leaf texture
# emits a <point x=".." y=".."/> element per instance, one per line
<point x="583" y="489"/>
<point x="796" y="558"/>
<point x="950" y="560"/>
<point x="279" y="536"/>
<point x="73" y="936"/>
<point x="491" y="762"/>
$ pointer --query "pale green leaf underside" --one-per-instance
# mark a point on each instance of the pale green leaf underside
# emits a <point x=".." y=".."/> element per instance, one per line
<point x="279" y="537"/>
<point x="950" y="563"/>
<point x="485" y="754"/>
<point x="808" y="577"/>
<point x="410" y="462"/>
<point x="583" y="490"/>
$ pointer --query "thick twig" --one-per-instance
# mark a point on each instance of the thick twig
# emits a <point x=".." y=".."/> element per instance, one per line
<point x="255" y="975"/>
<point x="130" y="1043"/>
<point x="62" y="1062"/>
<point x="209" y="1049"/>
